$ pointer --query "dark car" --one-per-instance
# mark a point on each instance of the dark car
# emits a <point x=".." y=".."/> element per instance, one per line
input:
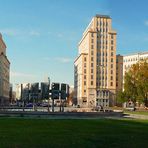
<point x="29" y="105"/>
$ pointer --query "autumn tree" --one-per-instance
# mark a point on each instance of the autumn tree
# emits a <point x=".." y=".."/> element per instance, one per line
<point x="136" y="82"/>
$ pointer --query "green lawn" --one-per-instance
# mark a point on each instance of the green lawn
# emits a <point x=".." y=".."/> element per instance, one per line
<point x="137" y="112"/>
<point x="95" y="133"/>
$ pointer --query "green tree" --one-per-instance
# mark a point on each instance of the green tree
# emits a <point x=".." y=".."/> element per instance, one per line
<point x="136" y="82"/>
<point x="121" y="97"/>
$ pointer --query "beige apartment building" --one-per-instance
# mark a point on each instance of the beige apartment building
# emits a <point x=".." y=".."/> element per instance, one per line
<point x="4" y="74"/>
<point x="95" y="66"/>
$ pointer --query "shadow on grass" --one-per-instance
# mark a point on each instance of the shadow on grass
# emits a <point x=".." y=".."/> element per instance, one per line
<point x="33" y="133"/>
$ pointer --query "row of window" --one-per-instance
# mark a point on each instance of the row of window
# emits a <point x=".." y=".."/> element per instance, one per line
<point x="135" y="59"/>
<point x="102" y="23"/>
<point x="92" y="83"/>
<point x="99" y="84"/>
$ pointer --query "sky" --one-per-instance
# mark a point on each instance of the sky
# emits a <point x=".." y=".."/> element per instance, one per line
<point x="42" y="35"/>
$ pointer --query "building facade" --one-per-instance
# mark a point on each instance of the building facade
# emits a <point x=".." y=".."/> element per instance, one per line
<point x="119" y="72"/>
<point x="4" y="74"/>
<point x="18" y="91"/>
<point x="129" y="60"/>
<point x="95" y="66"/>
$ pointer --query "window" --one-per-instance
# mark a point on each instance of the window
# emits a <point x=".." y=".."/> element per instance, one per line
<point x="92" y="46"/>
<point x="92" y="58"/>
<point x="111" y="65"/>
<point x="84" y="82"/>
<point x="85" y="59"/>
<point x="91" y="82"/>
<point x="112" y="42"/>
<point x="111" y="83"/>
<point x="112" y="60"/>
<point x="84" y="70"/>
<point x="92" y="41"/>
<point x="84" y="76"/>
<point x="112" y="48"/>
<point x="91" y="70"/>
<point x="117" y="84"/>
<point x="84" y="64"/>
<point x="112" y="37"/>
<point x="92" y="52"/>
<point x="92" y="77"/>
<point x="92" y="64"/>
<point x="92" y="35"/>
<point x="112" y="53"/>
<point x="100" y="23"/>
<point x="111" y="78"/>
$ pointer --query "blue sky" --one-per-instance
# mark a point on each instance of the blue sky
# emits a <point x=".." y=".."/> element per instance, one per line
<point x="42" y="35"/>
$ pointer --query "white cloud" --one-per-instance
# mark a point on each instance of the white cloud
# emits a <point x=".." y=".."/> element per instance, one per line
<point x="63" y="59"/>
<point x="9" y="32"/>
<point x="19" y="32"/>
<point x="19" y="74"/>
<point x="146" y="23"/>
<point x="58" y="59"/>
<point x="34" y="33"/>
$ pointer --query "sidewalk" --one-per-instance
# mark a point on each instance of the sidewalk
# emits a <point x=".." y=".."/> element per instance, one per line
<point x="136" y="116"/>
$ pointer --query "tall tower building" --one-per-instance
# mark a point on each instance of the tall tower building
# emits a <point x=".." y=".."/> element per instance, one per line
<point x="4" y="74"/>
<point x="95" y="66"/>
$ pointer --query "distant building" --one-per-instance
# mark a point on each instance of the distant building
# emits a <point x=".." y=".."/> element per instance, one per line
<point x="95" y="66"/>
<point x="45" y="90"/>
<point x="12" y="94"/>
<point x="4" y="74"/>
<point x="18" y="91"/>
<point x="25" y="91"/>
<point x="129" y="60"/>
<point x="34" y="92"/>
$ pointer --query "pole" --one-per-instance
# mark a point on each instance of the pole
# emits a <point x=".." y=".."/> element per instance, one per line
<point x="52" y="105"/>
<point x="48" y="106"/>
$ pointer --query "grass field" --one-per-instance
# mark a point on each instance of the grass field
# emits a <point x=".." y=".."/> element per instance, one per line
<point x="95" y="133"/>
<point x="137" y="112"/>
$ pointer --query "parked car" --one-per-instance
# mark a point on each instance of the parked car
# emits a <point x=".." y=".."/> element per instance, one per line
<point x="29" y="105"/>
<point x="44" y="105"/>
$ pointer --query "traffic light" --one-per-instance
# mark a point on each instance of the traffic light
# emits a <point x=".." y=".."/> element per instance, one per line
<point x="63" y="91"/>
<point x="55" y="90"/>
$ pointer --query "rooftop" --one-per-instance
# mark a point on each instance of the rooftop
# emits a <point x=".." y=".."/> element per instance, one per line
<point x="103" y="16"/>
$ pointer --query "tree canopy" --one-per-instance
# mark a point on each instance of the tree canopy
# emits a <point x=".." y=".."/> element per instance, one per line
<point x="136" y="82"/>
